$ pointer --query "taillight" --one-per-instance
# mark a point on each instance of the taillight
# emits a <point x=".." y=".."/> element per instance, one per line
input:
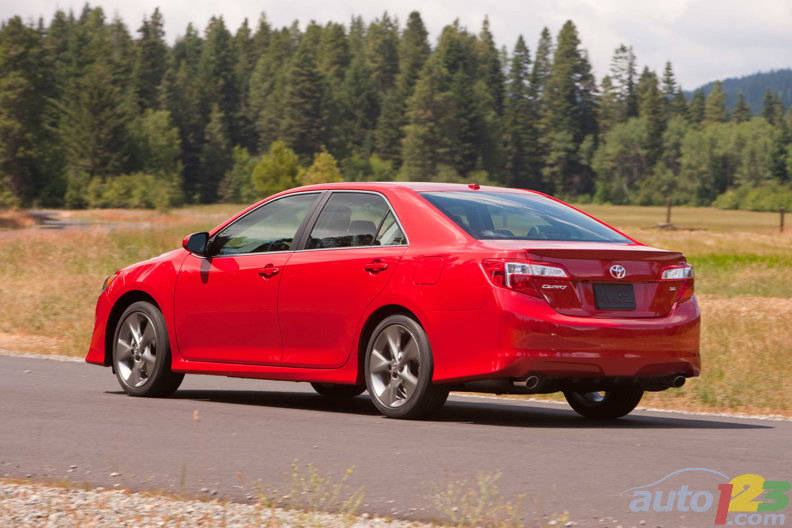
<point x="519" y="276"/>
<point x="683" y="276"/>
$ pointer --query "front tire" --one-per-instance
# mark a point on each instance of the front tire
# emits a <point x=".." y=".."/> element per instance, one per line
<point x="398" y="370"/>
<point x="604" y="405"/>
<point x="141" y="353"/>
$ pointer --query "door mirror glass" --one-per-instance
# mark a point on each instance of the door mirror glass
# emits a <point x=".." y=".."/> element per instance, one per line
<point x="196" y="243"/>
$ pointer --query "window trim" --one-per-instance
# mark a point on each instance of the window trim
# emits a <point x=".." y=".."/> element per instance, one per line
<point x="297" y="236"/>
<point x="320" y="207"/>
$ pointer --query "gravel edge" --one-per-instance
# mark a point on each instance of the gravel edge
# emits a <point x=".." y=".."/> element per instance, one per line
<point x="40" y="505"/>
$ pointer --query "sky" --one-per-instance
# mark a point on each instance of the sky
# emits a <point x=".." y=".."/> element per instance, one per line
<point x="704" y="39"/>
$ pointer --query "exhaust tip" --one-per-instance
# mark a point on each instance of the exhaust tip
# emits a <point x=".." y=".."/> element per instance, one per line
<point x="532" y="382"/>
<point x="678" y="381"/>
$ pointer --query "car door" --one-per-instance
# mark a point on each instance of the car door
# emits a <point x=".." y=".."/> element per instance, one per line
<point x="226" y="305"/>
<point x="349" y="256"/>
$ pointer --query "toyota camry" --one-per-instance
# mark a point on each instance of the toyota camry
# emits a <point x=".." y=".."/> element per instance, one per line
<point x="408" y="291"/>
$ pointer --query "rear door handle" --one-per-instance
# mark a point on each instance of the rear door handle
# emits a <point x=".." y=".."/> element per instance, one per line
<point x="376" y="266"/>
<point x="269" y="271"/>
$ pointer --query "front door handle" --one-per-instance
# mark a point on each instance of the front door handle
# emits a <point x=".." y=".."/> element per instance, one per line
<point x="269" y="271"/>
<point x="376" y="266"/>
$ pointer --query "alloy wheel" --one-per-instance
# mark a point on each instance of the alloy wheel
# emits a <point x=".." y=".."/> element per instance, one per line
<point x="136" y="349"/>
<point x="394" y="367"/>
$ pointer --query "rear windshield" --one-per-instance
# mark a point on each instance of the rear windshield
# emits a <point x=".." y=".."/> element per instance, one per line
<point x="518" y="216"/>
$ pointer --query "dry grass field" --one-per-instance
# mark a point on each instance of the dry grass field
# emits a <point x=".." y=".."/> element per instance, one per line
<point x="49" y="280"/>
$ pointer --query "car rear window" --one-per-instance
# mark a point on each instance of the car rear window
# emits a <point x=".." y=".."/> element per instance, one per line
<point x="519" y="216"/>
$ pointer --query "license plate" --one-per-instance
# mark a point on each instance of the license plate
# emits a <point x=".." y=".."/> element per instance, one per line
<point x="614" y="296"/>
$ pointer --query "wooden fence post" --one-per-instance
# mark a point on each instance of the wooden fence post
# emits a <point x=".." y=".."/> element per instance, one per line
<point x="781" y="220"/>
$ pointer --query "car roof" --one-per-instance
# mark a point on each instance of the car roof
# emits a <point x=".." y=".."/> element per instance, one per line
<point x="415" y="186"/>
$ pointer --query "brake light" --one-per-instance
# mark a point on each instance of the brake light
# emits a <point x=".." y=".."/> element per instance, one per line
<point x="684" y="277"/>
<point x="677" y="272"/>
<point x="519" y="276"/>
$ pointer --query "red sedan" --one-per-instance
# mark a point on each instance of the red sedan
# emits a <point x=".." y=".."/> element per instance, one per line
<point x="408" y="290"/>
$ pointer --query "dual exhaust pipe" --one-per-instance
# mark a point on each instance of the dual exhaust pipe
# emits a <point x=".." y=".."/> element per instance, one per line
<point x="535" y="383"/>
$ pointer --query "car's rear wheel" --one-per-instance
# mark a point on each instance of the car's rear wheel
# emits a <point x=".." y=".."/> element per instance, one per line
<point x="398" y="370"/>
<point x="336" y="391"/>
<point x="141" y="352"/>
<point x="604" y="405"/>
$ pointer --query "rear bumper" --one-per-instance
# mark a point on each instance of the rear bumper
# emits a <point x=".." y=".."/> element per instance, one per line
<point x="533" y="339"/>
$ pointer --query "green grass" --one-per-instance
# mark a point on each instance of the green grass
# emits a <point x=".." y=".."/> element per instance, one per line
<point x="708" y="218"/>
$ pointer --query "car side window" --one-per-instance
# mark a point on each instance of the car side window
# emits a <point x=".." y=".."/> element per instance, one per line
<point x="352" y="219"/>
<point x="390" y="232"/>
<point x="271" y="227"/>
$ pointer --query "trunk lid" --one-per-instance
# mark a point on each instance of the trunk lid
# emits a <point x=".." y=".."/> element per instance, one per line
<point x="605" y="279"/>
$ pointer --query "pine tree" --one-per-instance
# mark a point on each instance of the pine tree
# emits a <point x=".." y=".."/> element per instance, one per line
<point x="215" y="157"/>
<point x="357" y="35"/>
<point x="303" y="123"/>
<point x="543" y="62"/>
<point x="156" y="146"/>
<point x="151" y="60"/>
<point x="491" y="69"/>
<point x="333" y="55"/>
<point x="623" y="72"/>
<point x="362" y="102"/>
<point x="92" y="126"/>
<point x="696" y="107"/>
<point x="520" y="134"/>
<point x="568" y="114"/>
<point x="651" y="104"/>
<point x="425" y="144"/>
<point x="219" y="85"/>
<point x="245" y="61"/>
<point x="772" y="108"/>
<point x="610" y="107"/>
<point x="413" y="51"/>
<point x="25" y="83"/>
<point x="715" y="110"/>
<point x="261" y="37"/>
<point x="382" y="51"/>
<point x="188" y="49"/>
<point x="742" y="112"/>
<point x="678" y="106"/>
<point x="669" y="81"/>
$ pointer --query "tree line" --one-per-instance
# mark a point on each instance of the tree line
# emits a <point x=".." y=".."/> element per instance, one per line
<point x="92" y="115"/>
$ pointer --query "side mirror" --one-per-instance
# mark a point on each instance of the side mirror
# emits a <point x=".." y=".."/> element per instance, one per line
<point x="196" y="243"/>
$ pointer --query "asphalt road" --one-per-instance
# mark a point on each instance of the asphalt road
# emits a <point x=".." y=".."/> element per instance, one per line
<point x="70" y="421"/>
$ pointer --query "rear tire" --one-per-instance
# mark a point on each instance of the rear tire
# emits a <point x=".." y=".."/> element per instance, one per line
<point x="398" y="370"/>
<point x="336" y="391"/>
<point x="605" y="405"/>
<point x="141" y="353"/>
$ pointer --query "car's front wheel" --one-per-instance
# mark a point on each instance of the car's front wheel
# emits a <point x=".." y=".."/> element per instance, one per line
<point x="398" y="370"/>
<point x="141" y="352"/>
<point x="604" y="405"/>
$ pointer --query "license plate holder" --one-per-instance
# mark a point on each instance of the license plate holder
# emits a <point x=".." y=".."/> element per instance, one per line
<point x="610" y="296"/>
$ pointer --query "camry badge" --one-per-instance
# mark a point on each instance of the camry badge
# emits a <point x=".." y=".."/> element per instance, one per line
<point x="553" y="286"/>
<point x="617" y="271"/>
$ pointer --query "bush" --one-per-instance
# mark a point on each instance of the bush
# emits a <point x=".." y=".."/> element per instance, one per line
<point x="139" y="191"/>
<point x="771" y="196"/>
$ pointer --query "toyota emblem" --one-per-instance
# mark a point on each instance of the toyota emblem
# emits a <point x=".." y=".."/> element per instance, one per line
<point x="617" y="271"/>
